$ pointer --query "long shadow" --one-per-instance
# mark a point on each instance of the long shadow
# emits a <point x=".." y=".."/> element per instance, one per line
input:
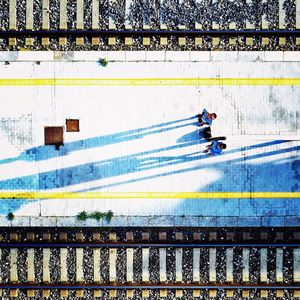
<point x="125" y="165"/>
<point x="47" y="152"/>
<point x="173" y="160"/>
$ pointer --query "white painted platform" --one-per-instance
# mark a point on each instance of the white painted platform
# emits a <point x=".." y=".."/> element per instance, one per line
<point x="138" y="138"/>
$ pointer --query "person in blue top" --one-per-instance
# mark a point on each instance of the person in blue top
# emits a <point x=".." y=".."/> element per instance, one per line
<point x="215" y="148"/>
<point x="206" y="117"/>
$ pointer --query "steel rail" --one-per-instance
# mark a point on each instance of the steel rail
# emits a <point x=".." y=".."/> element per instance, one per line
<point x="122" y="32"/>
<point x="142" y="245"/>
<point x="118" y="286"/>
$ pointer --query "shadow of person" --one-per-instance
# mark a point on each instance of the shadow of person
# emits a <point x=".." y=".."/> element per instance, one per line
<point x="196" y="135"/>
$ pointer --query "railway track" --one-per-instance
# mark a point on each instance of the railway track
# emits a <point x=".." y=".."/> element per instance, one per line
<point x="44" y="267"/>
<point x="152" y="25"/>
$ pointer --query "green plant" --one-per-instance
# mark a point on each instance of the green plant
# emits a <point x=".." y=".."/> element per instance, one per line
<point x="97" y="215"/>
<point x="103" y="62"/>
<point x="108" y="216"/>
<point x="10" y="216"/>
<point x="82" y="216"/>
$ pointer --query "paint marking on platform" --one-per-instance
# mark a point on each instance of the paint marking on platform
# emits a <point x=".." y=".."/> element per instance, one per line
<point x="146" y="81"/>
<point x="147" y="195"/>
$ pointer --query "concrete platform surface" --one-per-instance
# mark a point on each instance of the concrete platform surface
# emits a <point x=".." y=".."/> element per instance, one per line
<point x="138" y="132"/>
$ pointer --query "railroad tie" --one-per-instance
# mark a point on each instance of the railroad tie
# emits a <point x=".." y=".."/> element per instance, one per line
<point x="281" y="14"/>
<point x="30" y="236"/>
<point x="249" y="24"/>
<point x="245" y="265"/>
<point x="128" y="4"/>
<point x="14" y="293"/>
<point x="196" y="265"/>
<point x="29" y="14"/>
<point x="0" y="260"/>
<point x="30" y="293"/>
<point x="46" y="265"/>
<point x="79" y="265"/>
<point x="229" y="265"/>
<point x="113" y="293"/>
<point x="297" y="14"/>
<point x="96" y="256"/>
<point x="46" y="293"/>
<point x="112" y="236"/>
<point x="97" y="293"/>
<point x="13" y="265"/>
<point x="145" y="264"/>
<point x="263" y="264"/>
<point x="212" y="265"/>
<point x="178" y="293"/>
<point x="96" y="237"/>
<point x="264" y="21"/>
<point x="12" y="14"/>
<point x="129" y="267"/>
<point x="79" y="293"/>
<point x="196" y="293"/>
<point x="163" y="293"/>
<point x="63" y="14"/>
<point x="162" y="265"/>
<point x="145" y="293"/>
<point x="111" y="21"/>
<point x="163" y="26"/>
<point x="79" y="14"/>
<point x="178" y="264"/>
<point x="129" y="236"/>
<point x="45" y="15"/>
<point x="296" y="264"/>
<point x="63" y="265"/>
<point x="296" y="294"/>
<point x="30" y="265"/>
<point x="13" y="237"/>
<point x="129" y="293"/>
<point x="112" y="264"/>
<point x="145" y="236"/>
<point x="46" y="237"/>
<point x="279" y="265"/>
<point x="95" y="14"/>
<point x="178" y="236"/>
<point x="162" y="236"/>
<point x="229" y="293"/>
<point x="63" y="236"/>
<point x="264" y="293"/>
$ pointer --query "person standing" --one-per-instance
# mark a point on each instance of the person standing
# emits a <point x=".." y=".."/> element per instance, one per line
<point x="206" y="118"/>
<point x="215" y="148"/>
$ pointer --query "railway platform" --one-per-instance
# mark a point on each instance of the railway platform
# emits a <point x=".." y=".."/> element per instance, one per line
<point x="79" y="136"/>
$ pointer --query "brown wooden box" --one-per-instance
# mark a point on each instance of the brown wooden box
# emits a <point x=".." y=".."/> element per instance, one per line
<point x="54" y="135"/>
<point x="72" y="125"/>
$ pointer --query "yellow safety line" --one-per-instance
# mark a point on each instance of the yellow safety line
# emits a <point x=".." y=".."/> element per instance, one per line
<point x="146" y="81"/>
<point x="147" y="195"/>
